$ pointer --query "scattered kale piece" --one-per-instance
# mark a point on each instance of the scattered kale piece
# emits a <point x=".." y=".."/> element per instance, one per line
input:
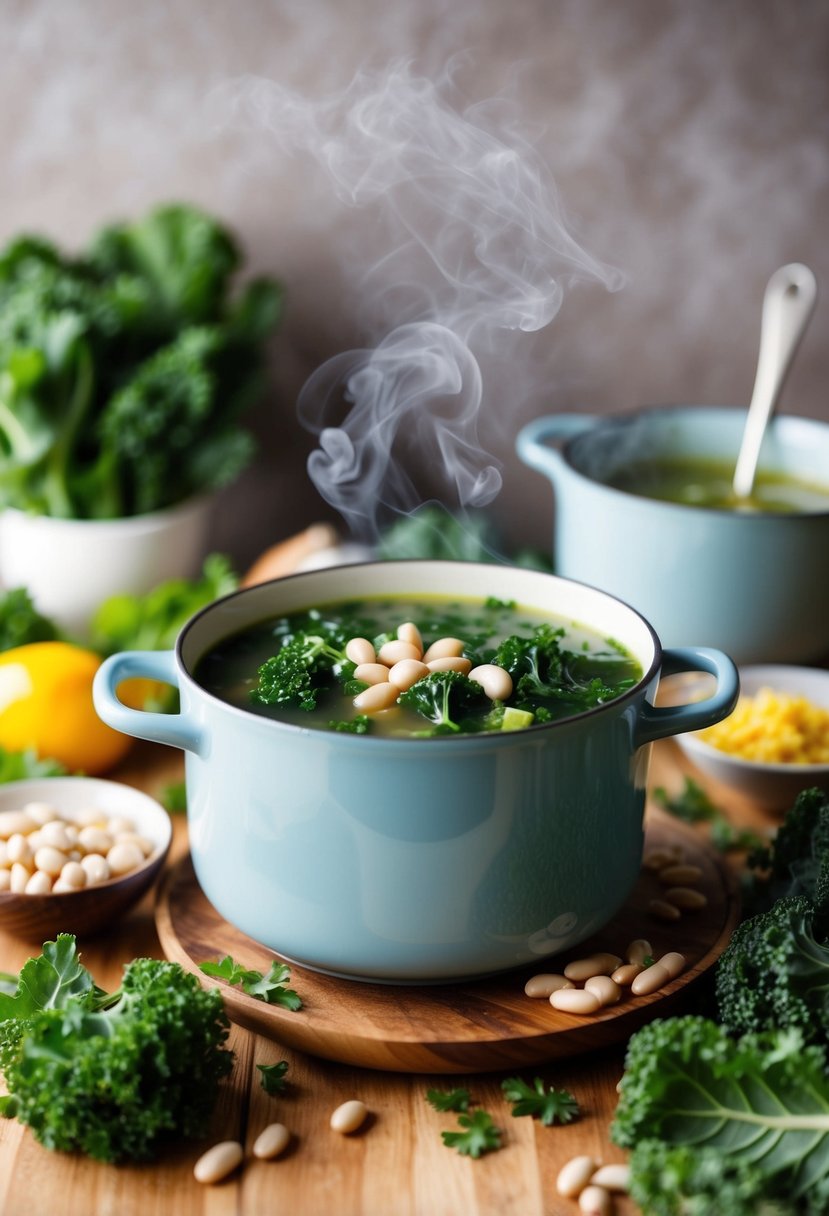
<point x="446" y="698"/>
<point x="273" y="1077"/>
<point x="550" y="1105"/>
<point x="111" y="1075"/>
<point x="693" y="805"/>
<point x="478" y="1135"/>
<point x="451" y="1099"/>
<point x="22" y="766"/>
<point x="750" y="1114"/>
<point x="174" y="798"/>
<point x="794" y="860"/>
<point x="20" y="621"/>
<point x="269" y="988"/>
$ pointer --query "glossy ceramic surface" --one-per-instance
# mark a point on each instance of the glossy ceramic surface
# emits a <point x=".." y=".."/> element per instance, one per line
<point x="755" y="585"/>
<point x="415" y="860"/>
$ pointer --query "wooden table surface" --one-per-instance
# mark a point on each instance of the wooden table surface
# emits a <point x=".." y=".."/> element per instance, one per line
<point x="396" y="1166"/>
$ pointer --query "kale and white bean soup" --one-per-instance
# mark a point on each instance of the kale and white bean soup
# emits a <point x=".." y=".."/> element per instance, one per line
<point x="417" y="667"/>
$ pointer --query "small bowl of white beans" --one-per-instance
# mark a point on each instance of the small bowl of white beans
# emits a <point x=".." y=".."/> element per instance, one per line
<point x="75" y="853"/>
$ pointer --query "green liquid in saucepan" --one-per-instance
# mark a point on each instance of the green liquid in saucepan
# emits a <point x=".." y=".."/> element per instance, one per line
<point x="707" y="483"/>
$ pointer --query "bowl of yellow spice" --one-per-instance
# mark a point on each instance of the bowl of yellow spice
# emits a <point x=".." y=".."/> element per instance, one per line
<point x="776" y="741"/>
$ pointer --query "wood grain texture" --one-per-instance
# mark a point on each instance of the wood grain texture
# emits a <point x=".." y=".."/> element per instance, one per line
<point x="397" y="1166"/>
<point x="485" y="1025"/>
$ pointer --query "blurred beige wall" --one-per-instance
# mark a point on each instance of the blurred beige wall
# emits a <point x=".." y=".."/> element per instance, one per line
<point x="688" y="139"/>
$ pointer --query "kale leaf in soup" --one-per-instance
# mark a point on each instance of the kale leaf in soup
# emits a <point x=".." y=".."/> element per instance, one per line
<point x="418" y="667"/>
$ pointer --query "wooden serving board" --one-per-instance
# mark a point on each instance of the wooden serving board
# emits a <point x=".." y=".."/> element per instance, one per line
<point x="476" y="1026"/>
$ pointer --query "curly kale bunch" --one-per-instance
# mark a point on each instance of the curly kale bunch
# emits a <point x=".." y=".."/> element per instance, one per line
<point x="124" y="372"/>
<point x="111" y="1075"/>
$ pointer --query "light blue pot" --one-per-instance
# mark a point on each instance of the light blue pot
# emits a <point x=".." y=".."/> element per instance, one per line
<point x="755" y="585"/>
<point x="415" y="860"/>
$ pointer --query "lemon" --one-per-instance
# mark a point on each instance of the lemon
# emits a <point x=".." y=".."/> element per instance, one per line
<point x="46" y="704"/>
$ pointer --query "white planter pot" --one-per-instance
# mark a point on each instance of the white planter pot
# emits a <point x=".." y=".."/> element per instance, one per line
<point x="69" y="566"/>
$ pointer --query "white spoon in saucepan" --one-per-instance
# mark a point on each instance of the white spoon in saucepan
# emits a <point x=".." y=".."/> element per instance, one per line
<point x="787" y="306"/>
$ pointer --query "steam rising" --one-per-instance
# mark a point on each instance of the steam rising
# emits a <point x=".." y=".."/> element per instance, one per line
<point x="470" y="246"/>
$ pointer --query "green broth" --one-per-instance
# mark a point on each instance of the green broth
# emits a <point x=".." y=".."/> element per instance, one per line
<point x="707" y="483"/>
<point x="559" y="667"/>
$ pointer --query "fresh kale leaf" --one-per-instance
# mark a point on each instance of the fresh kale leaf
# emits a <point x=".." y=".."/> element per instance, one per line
<point x="451" y="1099"/>
<point x="693" y="805"/>
<point x="269" y="988"/>
<point x="478" y="1135"/>
<point x="445" y="698"/>
<point x="549" y="1105"/>
<point x="273" y="1077"/>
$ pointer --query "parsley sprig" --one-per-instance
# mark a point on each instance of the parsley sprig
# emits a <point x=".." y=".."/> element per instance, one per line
<point x="449" y="1099"/>
<point x="273" y="1077"/>
<point x="269" y="987"/>
<point x="693" y="805"/>
<point x="478" y="1135"/>
<point x="549" y="1105"/>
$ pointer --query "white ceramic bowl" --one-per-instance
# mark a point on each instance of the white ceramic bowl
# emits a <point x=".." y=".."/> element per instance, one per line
<point x="772" y="786"/>
<point x="82" y="912"/>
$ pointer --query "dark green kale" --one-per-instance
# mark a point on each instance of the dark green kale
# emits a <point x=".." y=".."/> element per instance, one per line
<point x="111" y="1075"/>
<point x="20" y="621"/>
<point x="693" y="805"/>
<point x="309" y="661"/>
<point x="446" y="698"/>
<point x="543" y="672"/>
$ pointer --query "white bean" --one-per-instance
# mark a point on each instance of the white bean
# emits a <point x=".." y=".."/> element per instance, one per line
<point x="650" y="980"/>
<point x="409" y="632"/>
<point x="19" y="849"/>
<point x="349" y="1116"/>
<point x="372" y="673"/>
<point x="41" y="812"/>
<point x="38" y="884"/>
<point x="96" y="869"/>
<point x="123" y="858"/>
<point x="613" y="1177"/>
<point x="360" y="650"/>
<point x="680" y="875"/>
<point x="16" y="821"/>
<point x="686" y="898"/>
<point x="494" y="680"/>
<point x="594" y="964"/>
<point x="464" y="666"/>
<point x="673" y="962"/>
<point x="444" y="648"/>
<point x="603" y="987"/>
<point x="626" y="974"/>
<point x="219" y="1161"/>
<point x="574" y="1000"/>
<point x="271" y="1141"/>
<point x="638" y="950"/>
<point x="595" y="1201"/>
<point x="406" y="673"/>
<point x="119" y="823"/>
<point x="545" y="984"/>
<point x="141" y="842"/>
<point x="54" y="833"/>
<point x="392" y="652"/>
<point x="73" y="874"/>
<point x="574" y="1176"/>
<point x="92" y="817"/>
<point x="663" y="910"/>
<point x="19" y="878"/>
<point x="95" y="840"/>
<point x="50" y="860"/>
<point x="375" y="698"/>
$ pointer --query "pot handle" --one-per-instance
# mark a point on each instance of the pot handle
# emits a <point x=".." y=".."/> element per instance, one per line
<point x="539" y="455"/>
<point x="173" y="729"/>
<point x="659" y="723"/>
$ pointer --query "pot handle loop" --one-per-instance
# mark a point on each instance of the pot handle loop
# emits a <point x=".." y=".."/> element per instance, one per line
<point x="173" y="729"/>
<point x="659" y="723"/>
<point x="530" y="442"/>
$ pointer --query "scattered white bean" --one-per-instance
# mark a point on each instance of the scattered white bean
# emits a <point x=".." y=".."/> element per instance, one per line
<point x="409" y="632"/>
<point x="464" y="666"/>
<point x="650" y="980"/>
<point x="673" y="962"/>
<point x="375" y="698"/>
<point x="272" y="1141"/>
<point x="613" y="1177"/>
<point x="372" y="673"/>
<point x="686" y="898"/>
<point x="349" y="1116"/>
<point x="638" y="950"/>
<point x="575" y="1000"/>
<point x="574" y="1176"/>
<point x="444" y="648"/>
<point x="680" y="875"/>
<point x="595" y="1201"/>
<point x="219" y="1161"/>
<point x="656" y="859"/>
<point x="360" y="650"/>
<point x="603" y="987"/>
<point x="406" y="673"/>
<point x="663" y="910"/>
<point x="494" y="680"/>
<point x="594" y="964"/>
<point x="626" y="974"/>
<point x="546" y="984"/>
<point x="392" y="652"/>
<point x="122" y="858"/>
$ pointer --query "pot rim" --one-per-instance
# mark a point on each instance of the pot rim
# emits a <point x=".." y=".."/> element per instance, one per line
<point x="779" y="421"/>
<point x="485" y="738"/>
